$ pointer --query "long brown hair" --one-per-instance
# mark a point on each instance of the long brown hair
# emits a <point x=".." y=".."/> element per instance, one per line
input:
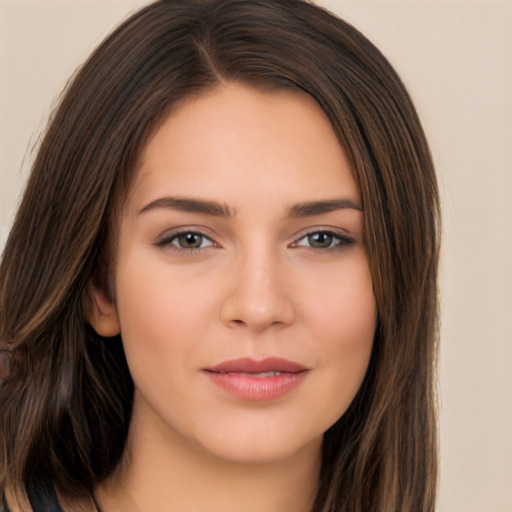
<point x="64" y="416"/>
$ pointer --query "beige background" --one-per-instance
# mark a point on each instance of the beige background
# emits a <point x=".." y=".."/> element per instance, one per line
<point x="456" y="59"/>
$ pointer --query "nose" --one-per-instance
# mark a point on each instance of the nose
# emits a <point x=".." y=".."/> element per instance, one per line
<point x="259" y="297"/>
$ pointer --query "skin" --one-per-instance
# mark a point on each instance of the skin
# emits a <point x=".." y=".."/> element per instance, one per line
<point x="254" y="285"/>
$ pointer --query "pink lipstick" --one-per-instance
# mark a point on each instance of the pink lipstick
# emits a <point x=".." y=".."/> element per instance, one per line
<point x="249" y="379"/>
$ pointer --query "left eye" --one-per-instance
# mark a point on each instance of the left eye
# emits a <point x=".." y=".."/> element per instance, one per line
<point x="323" y="240"/>
<point x="188" y="240"/>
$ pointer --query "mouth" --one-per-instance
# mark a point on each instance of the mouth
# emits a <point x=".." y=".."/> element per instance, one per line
<point x="253" y="380"/>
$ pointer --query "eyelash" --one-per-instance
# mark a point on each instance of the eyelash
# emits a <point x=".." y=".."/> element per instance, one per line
<point x="168" y="241"/>
<point x="341" y="239"/>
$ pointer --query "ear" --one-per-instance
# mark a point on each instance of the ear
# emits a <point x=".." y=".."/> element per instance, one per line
<point x="102" y="314"/>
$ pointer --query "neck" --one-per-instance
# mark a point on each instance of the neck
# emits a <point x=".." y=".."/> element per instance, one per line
<point x="179" y="478"/>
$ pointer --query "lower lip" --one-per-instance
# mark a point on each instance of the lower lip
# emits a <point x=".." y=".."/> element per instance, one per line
<point x="257" y="389"/>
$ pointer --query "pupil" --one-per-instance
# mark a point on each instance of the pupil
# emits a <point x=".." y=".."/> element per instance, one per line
<point x="320" y="240"/>
<point x="190" y="240"/>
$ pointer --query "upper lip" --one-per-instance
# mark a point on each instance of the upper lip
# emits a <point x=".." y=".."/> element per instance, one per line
<point x="248" y="365"/>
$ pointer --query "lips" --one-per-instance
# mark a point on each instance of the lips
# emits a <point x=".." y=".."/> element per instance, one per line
<point x="253" y="380"/>
<point x="246" y="365"/>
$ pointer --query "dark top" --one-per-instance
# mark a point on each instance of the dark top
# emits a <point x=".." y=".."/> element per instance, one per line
<point x="51" y="505"/>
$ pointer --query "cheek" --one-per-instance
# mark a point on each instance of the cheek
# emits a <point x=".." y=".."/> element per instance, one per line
<point x="163" y="313"/>
<point x="341" y="304"/>
<point x="147" y="311"/>
<point x="343" y="320"/>
<point x="159" y="328"/>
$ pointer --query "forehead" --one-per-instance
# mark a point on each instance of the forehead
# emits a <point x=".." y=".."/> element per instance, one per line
<point x="235" y="139"/>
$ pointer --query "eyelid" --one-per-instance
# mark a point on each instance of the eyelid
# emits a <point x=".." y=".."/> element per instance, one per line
<point x="343" y="238"/>
<point x="166" y="239"/>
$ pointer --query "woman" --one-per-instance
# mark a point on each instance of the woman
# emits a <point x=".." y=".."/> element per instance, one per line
<point x="220" y="286"/>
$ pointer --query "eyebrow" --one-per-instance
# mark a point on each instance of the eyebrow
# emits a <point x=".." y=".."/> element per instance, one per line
<point x="216" y="209"/>
<point x="312" y="208"/>
<point x="184" y="204"/>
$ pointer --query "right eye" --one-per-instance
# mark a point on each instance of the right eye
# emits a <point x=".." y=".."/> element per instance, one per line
<point x="186" y="240"/>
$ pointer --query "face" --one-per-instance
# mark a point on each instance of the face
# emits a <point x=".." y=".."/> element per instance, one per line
<point x="242" y="290"/>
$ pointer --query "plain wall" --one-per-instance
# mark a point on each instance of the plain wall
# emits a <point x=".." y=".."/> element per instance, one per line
<point x="456" y="60"/>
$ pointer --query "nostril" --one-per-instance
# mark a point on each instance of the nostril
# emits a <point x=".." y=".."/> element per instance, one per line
<point x="257" y="300"/>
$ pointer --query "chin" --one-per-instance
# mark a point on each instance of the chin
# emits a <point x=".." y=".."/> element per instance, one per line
<point x="260" y="446"/>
